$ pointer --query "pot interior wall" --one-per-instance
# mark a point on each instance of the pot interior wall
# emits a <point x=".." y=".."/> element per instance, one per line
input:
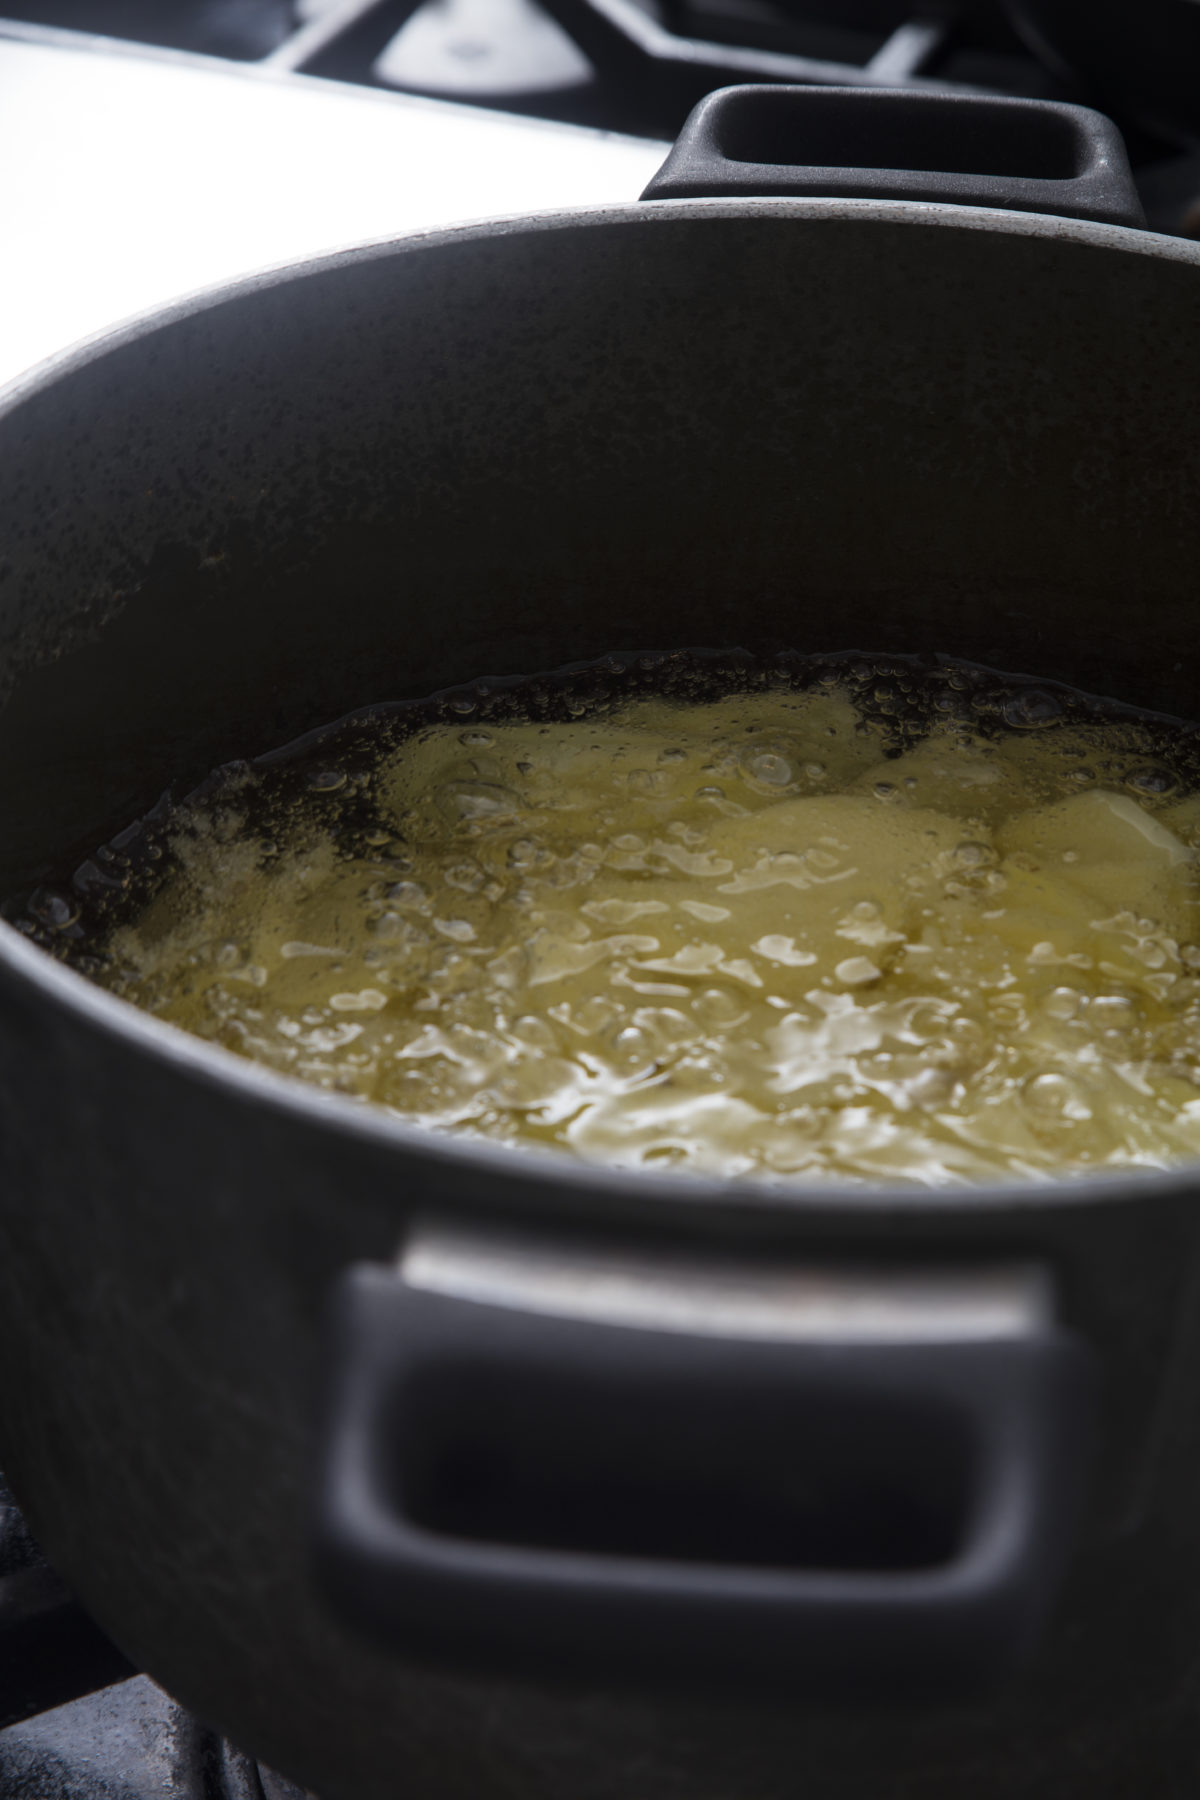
<point x="768" y="425"/>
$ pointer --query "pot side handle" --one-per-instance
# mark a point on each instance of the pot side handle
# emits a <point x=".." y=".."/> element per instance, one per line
<point x="832" y="1488"/>
<point x="1036" y="156"/>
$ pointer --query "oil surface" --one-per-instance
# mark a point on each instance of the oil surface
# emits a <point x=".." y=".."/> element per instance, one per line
<point x="828" y="918"/>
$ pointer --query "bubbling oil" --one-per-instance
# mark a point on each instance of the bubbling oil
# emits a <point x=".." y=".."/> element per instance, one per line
<point x="875" y="920"/>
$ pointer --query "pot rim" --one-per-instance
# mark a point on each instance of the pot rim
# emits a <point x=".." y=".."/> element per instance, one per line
<point x="536" y="1168"/>
<point x="916" y="213"/>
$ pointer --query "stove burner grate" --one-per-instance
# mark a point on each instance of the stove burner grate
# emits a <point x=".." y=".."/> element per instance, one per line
<point x="76" y="1720"/>
<point x="634" y="66"/>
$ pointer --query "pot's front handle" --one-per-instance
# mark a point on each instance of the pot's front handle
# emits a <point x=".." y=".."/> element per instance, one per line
<point x="597" y="1463"/>
<point x="881" y="144"/>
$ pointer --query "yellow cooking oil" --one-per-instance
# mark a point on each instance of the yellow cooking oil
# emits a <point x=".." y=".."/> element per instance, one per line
<point x="853" y="920"/>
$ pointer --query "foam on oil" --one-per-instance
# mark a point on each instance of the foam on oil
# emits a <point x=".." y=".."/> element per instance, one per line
<point x="841" y="918"/>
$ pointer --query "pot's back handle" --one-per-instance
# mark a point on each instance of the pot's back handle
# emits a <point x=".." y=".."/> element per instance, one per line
<point x="878" y="144"/>
<point x="601" y="1464"/>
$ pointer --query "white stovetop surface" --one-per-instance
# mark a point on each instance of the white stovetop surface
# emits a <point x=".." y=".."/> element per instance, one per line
<point x="133" y="176"/>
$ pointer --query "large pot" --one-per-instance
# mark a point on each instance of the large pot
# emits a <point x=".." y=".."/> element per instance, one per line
<point x="898" y="425"/>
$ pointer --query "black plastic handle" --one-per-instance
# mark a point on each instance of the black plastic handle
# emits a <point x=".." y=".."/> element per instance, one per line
<point x="862" y="143"/>
<point x="507" y="1486"/>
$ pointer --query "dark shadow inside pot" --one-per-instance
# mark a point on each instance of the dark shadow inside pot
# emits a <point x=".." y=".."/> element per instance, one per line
<point x="509" y="452"/>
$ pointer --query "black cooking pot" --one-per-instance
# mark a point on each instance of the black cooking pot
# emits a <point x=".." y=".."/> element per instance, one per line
<point x="621" y="1484"/>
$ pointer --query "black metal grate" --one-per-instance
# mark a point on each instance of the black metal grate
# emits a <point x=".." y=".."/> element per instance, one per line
<point x="634" y="65"/>
<point x="625" y="65"/>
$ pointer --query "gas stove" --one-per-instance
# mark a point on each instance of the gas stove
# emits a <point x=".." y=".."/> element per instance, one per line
<point x="201" y="139"/>
<point x="77" y="1722"/>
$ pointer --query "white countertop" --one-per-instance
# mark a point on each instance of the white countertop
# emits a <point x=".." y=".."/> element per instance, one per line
<point x="133" y="176"/>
